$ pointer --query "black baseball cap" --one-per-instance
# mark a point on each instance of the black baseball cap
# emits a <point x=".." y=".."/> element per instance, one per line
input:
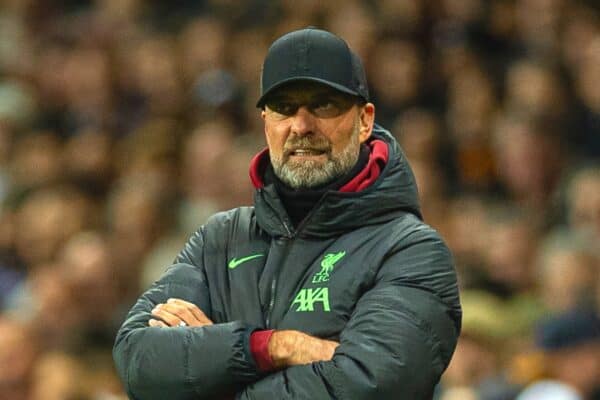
<point x="316" y="55"/>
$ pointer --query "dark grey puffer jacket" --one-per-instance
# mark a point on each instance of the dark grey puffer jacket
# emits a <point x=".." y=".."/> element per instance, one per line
<point x="362" y="268"/>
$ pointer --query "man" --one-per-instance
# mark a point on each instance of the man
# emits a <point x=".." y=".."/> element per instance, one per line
<point x="331" y="286"/>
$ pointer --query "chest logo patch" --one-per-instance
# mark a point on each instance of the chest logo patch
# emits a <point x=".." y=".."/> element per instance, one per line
<point x="235" y="262"/>
<point x="307" y="297"/>
<point x="327" y="265"/>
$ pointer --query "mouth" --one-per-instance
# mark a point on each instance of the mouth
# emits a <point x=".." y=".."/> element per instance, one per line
<point x="306" y="152"/>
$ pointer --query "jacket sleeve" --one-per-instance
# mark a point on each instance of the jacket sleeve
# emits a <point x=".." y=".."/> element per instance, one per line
<point x="398" y="341"/>
<point x="181" y="363"/>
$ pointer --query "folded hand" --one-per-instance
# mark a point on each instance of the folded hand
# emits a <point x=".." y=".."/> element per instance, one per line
<point x="177" y="312"/>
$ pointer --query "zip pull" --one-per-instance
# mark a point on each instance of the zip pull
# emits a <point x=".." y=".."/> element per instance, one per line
<point x="288" y="230"/>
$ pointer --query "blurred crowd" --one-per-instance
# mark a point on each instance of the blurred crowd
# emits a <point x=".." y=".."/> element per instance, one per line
<point x="125" y="123"/>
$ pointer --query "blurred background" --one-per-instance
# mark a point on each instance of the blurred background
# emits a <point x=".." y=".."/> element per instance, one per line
<point x="125" y="123"/>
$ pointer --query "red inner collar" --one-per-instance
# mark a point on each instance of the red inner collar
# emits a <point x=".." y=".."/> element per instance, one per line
<point x="377" y="160"/>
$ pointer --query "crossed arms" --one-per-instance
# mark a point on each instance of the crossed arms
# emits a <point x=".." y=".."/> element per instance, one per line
<point x="396" y="344"/>
<point x="286" y="348"/>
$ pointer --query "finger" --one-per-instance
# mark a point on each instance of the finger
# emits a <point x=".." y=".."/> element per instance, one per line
<point x="157" y="323"/>
<point x="182" y="313"/>
<point x="198" y="313"/>
<point x="194" y="309"/>
<point x="165" y="316"/>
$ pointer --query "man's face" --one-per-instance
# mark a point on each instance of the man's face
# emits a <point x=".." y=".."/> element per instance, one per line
<point x="314" y="133"/>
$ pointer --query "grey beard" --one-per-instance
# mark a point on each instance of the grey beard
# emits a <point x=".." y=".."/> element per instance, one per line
<point x="310" y="174"/>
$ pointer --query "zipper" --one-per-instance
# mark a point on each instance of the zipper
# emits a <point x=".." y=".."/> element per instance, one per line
<point x="288" y="237"/>
<point x="271" y="302"/>
<point x="311" y="212"/>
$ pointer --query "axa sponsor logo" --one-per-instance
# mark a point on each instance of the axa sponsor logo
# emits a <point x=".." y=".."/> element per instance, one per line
<point x="307" y="298"/>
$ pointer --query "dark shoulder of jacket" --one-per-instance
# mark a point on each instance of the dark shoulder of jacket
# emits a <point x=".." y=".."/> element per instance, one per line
<point x="424" y="259"/>
<point x="410" y="228"/>
<point x="217" y="229"/>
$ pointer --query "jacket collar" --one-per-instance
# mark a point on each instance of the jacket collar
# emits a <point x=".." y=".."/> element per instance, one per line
<point x="381" y="192"/>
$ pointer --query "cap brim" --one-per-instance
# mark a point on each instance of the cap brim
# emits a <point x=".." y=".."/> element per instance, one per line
<point x="261" y="101"/>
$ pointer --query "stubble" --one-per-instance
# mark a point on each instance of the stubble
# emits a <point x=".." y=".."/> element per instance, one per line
<point x="309" y="174"/>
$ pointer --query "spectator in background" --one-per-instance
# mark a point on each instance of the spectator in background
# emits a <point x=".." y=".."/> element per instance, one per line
<point x="18" y="350"/>
<point x="202" y="48"/>
<point x="466" y="230"/>
<point x="35" y="161"/>
<point x="586" y="75"/>
<point x="509" y="262"/>
<point x="90" y="275"/>
<point x="419" y="133"/>
<point x="567" y="271"/>
<point x="397" y="82"/>
<point x="137" y="211"/>
<point x="45" y="301"/>
<point x="356" y="23"/>
<point x="529" y="162"/>
<point x="57" y="376"/>
<point x="571" y="343"/>
<point x="471" y="108"/>
<point x="475" y="362"/>
<point x="583" y="201"/>
<point x="538" y="36"/>
<point x="534" y="89"/>
<point x="88" y="163"/>
<point x="203" y="160"/>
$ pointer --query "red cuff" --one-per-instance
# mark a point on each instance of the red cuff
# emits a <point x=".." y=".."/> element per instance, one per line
<point x="259" y="347"/>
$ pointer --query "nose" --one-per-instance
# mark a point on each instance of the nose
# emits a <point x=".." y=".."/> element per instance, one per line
<point x="303" y="122"/>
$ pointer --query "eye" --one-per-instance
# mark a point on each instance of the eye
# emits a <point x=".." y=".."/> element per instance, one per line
<point x="327" y="108"/>
<point x="331" y="105"/>
<point x="324" y="105"/>
<point x="283" y="107"/>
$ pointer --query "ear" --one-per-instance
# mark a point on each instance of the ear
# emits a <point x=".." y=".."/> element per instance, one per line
<point x="263" y="114"/>
<point x="367" y="120"/>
